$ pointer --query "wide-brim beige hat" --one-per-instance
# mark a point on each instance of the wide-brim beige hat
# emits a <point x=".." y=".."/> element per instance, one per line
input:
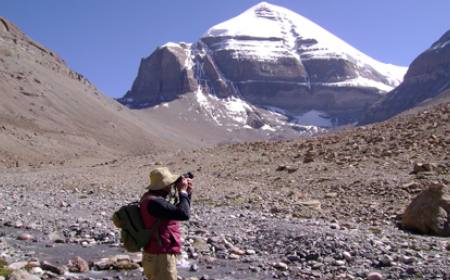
<point x="160" y="178"/>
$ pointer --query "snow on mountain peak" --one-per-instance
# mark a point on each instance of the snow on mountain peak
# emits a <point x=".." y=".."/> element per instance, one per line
<point x="269" y="31"/>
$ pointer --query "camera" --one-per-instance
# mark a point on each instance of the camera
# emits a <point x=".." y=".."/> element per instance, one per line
<point x="185" y="175"/>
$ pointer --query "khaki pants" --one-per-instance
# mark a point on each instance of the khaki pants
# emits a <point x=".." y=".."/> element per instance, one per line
<point x="160" y="267"/>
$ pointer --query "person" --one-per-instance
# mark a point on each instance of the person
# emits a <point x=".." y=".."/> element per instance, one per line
<point x="159" y="258"/>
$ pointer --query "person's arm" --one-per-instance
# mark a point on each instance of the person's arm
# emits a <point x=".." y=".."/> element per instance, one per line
<point x="162" y="209"/>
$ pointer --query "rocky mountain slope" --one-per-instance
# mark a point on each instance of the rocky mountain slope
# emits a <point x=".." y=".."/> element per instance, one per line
<point x="50" y="114"/>
<point x="428" y="77"/>
<point x="281" y="67"/>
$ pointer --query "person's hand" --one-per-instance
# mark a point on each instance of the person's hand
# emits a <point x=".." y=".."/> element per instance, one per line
<point x="185" y="185"/>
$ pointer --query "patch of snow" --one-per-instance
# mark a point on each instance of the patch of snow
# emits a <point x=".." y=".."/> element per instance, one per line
<point x="268" y="127"/>
<point x="165" y="105"/>
<point x="189" y="62"/>
<point x="170" y="45"/>
<point x="202" y="100"/>
<point x="313" y="118"/>
<point x="362" y="82"/>
<point x="440" y="45"/>
<point x="237" y="109"/>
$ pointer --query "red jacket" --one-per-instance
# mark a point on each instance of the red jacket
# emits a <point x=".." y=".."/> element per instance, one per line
<point x="168" y="230"/>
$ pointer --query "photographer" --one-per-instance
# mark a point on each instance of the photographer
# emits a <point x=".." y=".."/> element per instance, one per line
<point x="160" y="255"/>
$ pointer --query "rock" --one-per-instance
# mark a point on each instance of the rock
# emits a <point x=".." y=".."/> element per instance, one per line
<point x="281" y="266"/>
<point x="313" y="204"/>
<point x="250" y="252"/>
<point x="309" y="157"/>
<point x="25" y="237"/>
<point x="200" y="245"/>
<point x="18" y="224"/>
<point x="123" y="262"/>
<point x="17" y="265"/>
<point x="236" y="250"/>
<point x="374" y="276"/>
<point x="56" y="237"/>
<point x="406" y="259"/>
<point x="293" y="258"/>
<point x="331" y="195"/>
<point x="37" y="271"/>
<point x="429" y="212"/>
<point x="423" y="167"/>
<point x="78" y="265"/>
<point x="22" y="275"/>
<point x="103" y="264"/>
<point x="193" y="268"/>
<point x="153" y="85"/>
<point x="385" y="260"/>
<point x="347" y="256"/>
<point x="53" y="268"/>
<point x="335" y="226"/>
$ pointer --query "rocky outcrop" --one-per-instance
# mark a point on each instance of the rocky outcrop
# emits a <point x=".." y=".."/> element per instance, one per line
<point x="429" y="212"/>
<point x="161" y="77"/>
<point x="428" y="76"/>
<point x="269" y="57"/>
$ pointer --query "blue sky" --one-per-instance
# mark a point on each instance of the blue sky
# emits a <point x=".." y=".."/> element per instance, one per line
<point x="105" y="39"/>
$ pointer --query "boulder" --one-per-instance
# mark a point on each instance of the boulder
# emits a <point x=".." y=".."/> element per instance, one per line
<point x="429" y="212"/>
<point x="78" y="264"/>
<point x="22" y="275"/>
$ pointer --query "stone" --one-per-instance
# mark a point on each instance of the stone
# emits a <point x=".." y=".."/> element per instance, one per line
<point x="37" y="271"/>
<point x="103" y="264"/>
<point x="193" y="268"/>
<point x="429" y="212"/>
<point x="78" y="265"/>
<point x="56" y="237"/>
<point x="313" y="204"/>
<point x="250" y="252"/>
<point x="281" y="266"/>
<point x="17" y="265"/>
<point x="236" y="250"/>
<point x="347" y="256"/>
<point x="374" y="276"/>
<point x="331" y="195"/>
<point x="385" y="260"/>
<point x="53" y="268"/>
<point x="22" y="275"/>
<point x="406" y="259"/>
<point x="200" y="245"/>
<point x="423" y="167"/>
<point x="25" y="237"/>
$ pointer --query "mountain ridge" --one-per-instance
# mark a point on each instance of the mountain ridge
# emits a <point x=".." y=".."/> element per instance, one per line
<point x="427" y="78"/>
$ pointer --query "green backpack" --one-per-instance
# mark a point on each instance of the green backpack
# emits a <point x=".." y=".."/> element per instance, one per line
<point x="133" y="234"/>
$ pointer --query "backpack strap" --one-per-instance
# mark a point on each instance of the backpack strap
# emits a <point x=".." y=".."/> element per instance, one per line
<point x="155" y="226"/>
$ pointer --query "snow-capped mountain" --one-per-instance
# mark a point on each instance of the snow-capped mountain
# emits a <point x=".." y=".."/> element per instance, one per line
<point x="428" y="77"/>
<point x="279" y="68"/>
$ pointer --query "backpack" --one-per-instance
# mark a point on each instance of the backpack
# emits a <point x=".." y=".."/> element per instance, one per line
<point x="133" y="234"/>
